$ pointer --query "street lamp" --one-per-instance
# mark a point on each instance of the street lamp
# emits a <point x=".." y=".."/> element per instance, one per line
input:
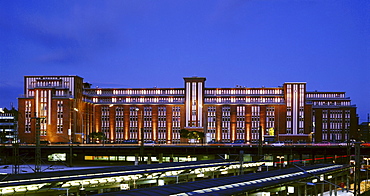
<point x="280" y="157"/>
<point x="70" y="147"/>
<point x="141" y="134"/>
<point x="367" y="160"/>
<point x="81" y="126"/>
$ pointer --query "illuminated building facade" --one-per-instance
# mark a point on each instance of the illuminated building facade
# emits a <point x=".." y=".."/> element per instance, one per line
<point x="70" y="109"/>
<point x="8" y="127"/>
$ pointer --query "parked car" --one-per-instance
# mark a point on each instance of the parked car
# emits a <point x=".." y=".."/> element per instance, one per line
<point x="150" y="142"/>
<point x="324" y="143"/>
<point x="238" y="142"/>
<point x="213" y="142"/>
<point x="278" y="143"/>
<point x="130" y="141"/>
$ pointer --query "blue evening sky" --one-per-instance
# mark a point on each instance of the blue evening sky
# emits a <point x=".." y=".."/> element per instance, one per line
<point x="147" y="43"/>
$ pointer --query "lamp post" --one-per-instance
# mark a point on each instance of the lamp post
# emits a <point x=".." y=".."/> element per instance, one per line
<point x="39" y="121"/>
<point x="70" y="147"/>
<point x="367" y="173"/>
<point x="81" y="125"/>
<point x="141" y="134"/>
<point x="280" y="157"/>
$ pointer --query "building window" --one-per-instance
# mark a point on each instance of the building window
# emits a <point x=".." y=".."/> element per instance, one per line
<point x="255" y="123"/>
<point x="225" y="124"/>
<point x="270" y="117"/>
<point x="211" y="121"/>
<point x="162" y="124"/>
<point x="176" y="124"/>
<point x="59" y="116"/>
<point x="240" y="122"/>
<point x="119" y="124"/>
<point x="105" y="121"/>
<point x="133" y="123"/>
<point x="27" y="123"/>
<point x="43" y="112"/>
<point x="147" y="123"/>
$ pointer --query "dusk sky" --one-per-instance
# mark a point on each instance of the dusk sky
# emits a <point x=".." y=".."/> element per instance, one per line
<point x="146" y="43"/>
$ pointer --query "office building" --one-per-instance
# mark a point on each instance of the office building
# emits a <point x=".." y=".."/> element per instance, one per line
<point x="8" y="126"/>
<point x="68" y="109"/>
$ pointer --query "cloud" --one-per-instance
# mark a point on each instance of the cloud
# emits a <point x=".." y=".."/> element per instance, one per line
<point x="75" y="32"/>
<point x="62" y="57"/>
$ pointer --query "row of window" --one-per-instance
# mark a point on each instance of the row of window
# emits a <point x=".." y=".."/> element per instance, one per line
<point x="325" y="95"/>
<point x="263" y="91"/>
<point x="135" y="92"/>
<point x="244" y="100"/>
<point x="139" y="100"/>
<point x="60" y="117"/>
<point x="332" y="103"/>
<point x="244" y="92"/>
<point x="33" y="82"/>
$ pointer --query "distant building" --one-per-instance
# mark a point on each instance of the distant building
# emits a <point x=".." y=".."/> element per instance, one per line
<point x="364" y="131"/>
<point x="8" y="127"/>
<point x="69" y="109"/>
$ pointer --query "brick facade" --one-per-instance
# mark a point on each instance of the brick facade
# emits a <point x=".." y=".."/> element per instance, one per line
<point x="290" y="112"/>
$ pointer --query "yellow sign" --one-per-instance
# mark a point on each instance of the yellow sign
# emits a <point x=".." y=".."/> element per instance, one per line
<point x="271" y="131"/>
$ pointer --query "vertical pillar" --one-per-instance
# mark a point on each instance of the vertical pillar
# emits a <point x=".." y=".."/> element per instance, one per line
<point x="136" y="159"/>
<point x="312" y="159"/>
<point x="335" y="182"/>
<point x="248" y="123"/>
<point x="299" y="190"/>
<point x="233" y="122"/>
<point x="160" y="158"/>
<point x="305" y="190"/>
<point x="241" y="159"/>
<point x="260" y="153"/>
<point x="142" y="145"/>
<point x="38" y="149"/>
<point x="149" y="161"/>
<point x="347" y="180"/>
<point x="322" y="188"/>
<point x="218" y="123"/>
<point x="357" y="169"/>
<point x="194" y="95"/>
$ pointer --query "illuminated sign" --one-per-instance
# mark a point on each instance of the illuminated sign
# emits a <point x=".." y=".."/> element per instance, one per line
<point x="57" y="157"/>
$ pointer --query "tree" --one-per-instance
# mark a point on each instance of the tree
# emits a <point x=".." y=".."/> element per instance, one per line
<point x="196" y="135"/>
<point x="184" y="133"/>
<point x="98" y="136"/>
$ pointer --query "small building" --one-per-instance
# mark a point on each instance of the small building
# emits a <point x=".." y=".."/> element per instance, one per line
<point x="364" y="132"/>
<point x="8" y="126"/>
